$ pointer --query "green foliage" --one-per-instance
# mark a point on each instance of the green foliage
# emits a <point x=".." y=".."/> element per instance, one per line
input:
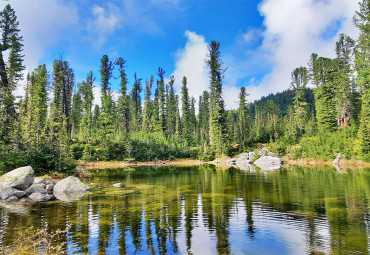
<point x="155" y="146"/>
<point x="217" y="111"/>
<point x="206" y="153"/>
<point x="43" y="160"/>
<point x="327" y="145"/>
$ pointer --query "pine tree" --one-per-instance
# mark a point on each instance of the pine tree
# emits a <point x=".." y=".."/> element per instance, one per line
<point x="204" y="118"/>
<point x="193" y="120"/>
<point x="76" y="113"/>
<point x="162" y="99"/>
<point x="299" y="82"/>
<point x="186" y="114"/>
<point x="178" y="118"/>
<point x="242" y="132"/>
<point x="344" y="51"/>
<point x="136" y="105"/>
<point x="171" y="107"/>
<point x="148" y="106"/>
<point x="107" y="113"/>
<point x="322" y="74"/>
<point x="36" y="99"/>
<point x="217" y="112"/>
<point x="362" y="62"/>
<point x="124" y="99"/>
<point x="11" y="73"/>
<point x="155" y="121"/>
<point x="86" y="90"/>
<point x="58" y="130"/>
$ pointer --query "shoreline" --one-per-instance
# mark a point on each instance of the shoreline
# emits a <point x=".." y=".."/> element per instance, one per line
<point x="220" y="162"/>
<point x="123" y="164"/>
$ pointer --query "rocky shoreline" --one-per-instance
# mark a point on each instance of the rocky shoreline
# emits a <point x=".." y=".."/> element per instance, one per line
<point x="262" y="159"/>
<point x="21" y="185"/>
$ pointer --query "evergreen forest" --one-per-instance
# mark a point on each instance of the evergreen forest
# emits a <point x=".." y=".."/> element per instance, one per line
<point x="326" y="110"/>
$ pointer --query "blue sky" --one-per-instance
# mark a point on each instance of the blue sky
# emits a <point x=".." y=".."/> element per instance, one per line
<point x="261" y="41"/>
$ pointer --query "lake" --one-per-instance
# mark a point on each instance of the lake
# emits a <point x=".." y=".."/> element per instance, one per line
<point x="201" y="210"/>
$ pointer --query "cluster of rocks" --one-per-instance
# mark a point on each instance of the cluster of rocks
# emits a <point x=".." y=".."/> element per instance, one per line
<point x="265" y="160"/>
<point x="21" y="185"/>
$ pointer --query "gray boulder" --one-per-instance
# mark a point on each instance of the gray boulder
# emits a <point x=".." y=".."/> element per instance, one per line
<point x="70" y="184"/>
<point x="70" y="189"/>
<point x="49" y="187"/>
<point x="12" y="199"/>
<point x="38" y="180"/>
<point x="20" y="178"/>
<point x="268" y="163"/>
<point x="243" y="161"/>
<point x="263" y="152"/>
<point x="37" y="188"/>
<point x="337" y="160"/>
<point x="11" y="192"/>
<point x="38" y="197"/>
<point x="251" y="155"/>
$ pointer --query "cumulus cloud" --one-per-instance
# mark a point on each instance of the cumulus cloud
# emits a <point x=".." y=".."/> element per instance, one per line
<point x="104" y="22"/>
<point x="293" y="30"/>
<point x="42" y="23"/>
<point x="190" y="62"/>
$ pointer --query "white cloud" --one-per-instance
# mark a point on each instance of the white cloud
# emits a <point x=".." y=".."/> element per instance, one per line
<point x="190" y="62"/>
<point x="293" y="30"/>
<point x="105" y="21"/>
<point x="252" y="35"/>
<point x="42" y="23"/>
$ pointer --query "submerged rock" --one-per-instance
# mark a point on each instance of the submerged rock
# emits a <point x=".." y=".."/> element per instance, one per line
<point x="268" y="163"/>
<point x="20" y="178"/>
<point x="118" y="185"/>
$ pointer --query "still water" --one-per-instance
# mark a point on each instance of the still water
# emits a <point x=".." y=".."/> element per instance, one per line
<point x="201" y="210"/>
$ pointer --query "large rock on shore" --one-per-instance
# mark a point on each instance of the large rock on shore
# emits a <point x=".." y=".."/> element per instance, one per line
<point x="243" y="162"/>
<point x="71" y="184"/>
<point x="20" y="178"/>
<point x="38" y="197"/>
<point x="268" y="163"/>
<point x="70" y="189"/>
<point x="11" y="192"/>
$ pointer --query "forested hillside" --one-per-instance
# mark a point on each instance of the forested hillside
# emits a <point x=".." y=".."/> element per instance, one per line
<point x="326" y="110"/>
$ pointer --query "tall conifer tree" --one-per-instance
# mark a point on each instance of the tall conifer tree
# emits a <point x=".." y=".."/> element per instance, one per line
<point x="217" y="112"/>
<point x="362" y="21"/>
<point x="10" y="73"/>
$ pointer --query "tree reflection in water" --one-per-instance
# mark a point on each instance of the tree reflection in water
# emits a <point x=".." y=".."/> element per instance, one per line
<point x="201" y="210"/>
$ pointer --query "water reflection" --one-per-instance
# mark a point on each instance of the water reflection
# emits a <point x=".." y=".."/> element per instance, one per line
<point x="201" y="210"/>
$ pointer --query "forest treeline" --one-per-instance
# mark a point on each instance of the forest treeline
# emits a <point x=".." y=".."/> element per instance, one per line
<point x="56" y="122"/>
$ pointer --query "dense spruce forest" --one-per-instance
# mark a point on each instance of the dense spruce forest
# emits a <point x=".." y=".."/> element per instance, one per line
<point x="326" y="110"/>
